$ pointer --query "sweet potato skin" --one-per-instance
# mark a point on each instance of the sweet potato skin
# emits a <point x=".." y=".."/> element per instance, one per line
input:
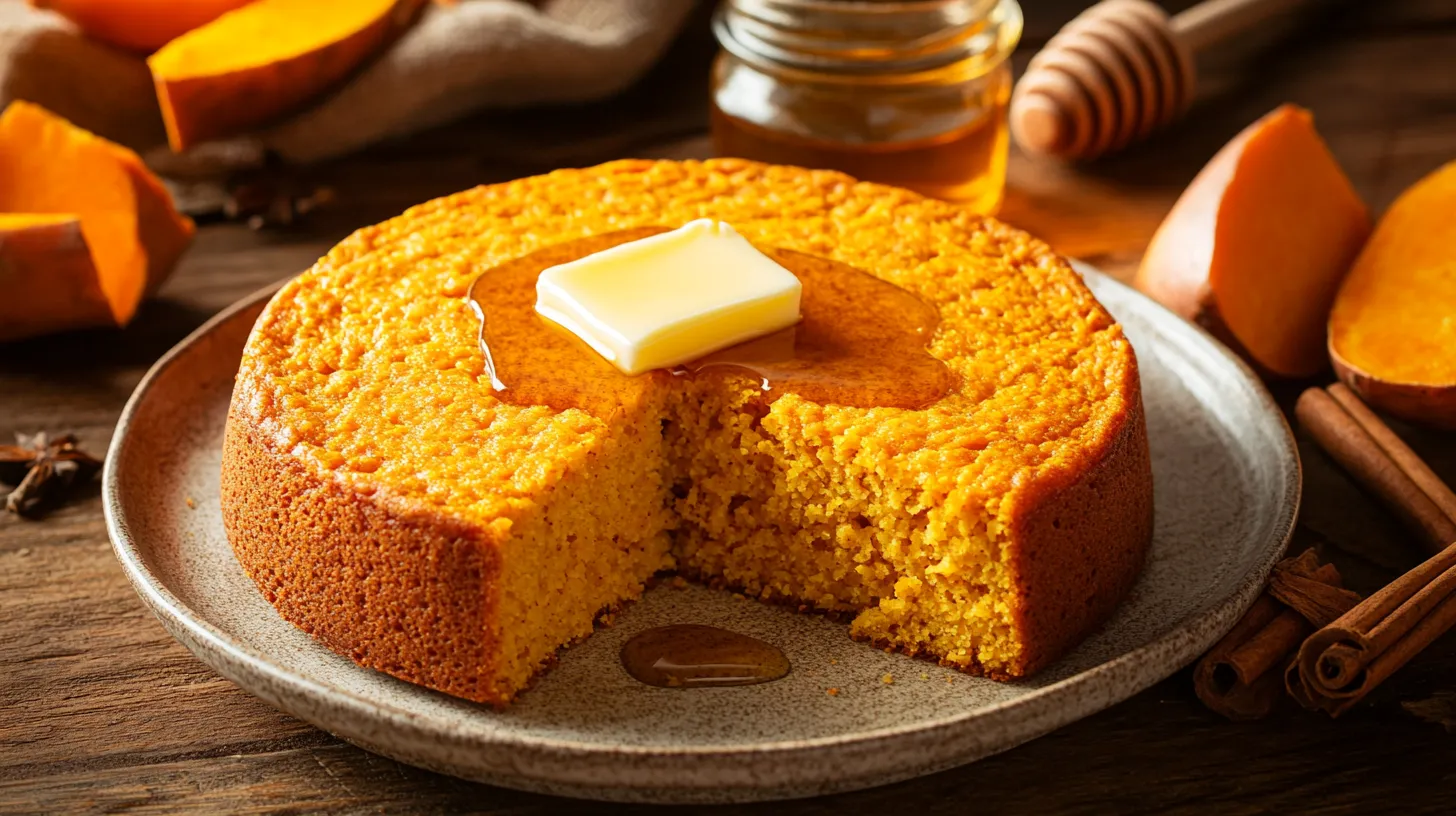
<point x="1430" y="405"/>
<point x="47" y="280"/>
<point x="1219" y="258"/>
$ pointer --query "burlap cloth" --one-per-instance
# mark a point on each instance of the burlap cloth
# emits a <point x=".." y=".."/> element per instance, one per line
<point x="457" y="59"/>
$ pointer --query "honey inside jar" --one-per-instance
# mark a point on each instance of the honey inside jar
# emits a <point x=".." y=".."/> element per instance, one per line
<point x="966" y="165"/>
<point x="912" y="94"/>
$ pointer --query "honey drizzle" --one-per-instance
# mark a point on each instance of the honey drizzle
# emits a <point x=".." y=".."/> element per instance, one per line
<point x="689" y="655"/>
<point x="862" y="341"/>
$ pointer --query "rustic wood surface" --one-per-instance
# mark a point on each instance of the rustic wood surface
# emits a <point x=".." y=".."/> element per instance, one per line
<point x="100" y="710"/>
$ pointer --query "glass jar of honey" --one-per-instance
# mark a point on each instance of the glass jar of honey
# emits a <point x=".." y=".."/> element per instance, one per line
<point x="905" y="92"/>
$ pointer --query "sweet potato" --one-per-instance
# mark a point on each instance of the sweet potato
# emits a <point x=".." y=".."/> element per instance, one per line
<point x="265" y="60"/>
<point x="88" y="231"/>
<point x="47" y="279"/>
<point x="1256" y="247"/>
<point x="1392" y="333"/>
<point x="138" y="25"/>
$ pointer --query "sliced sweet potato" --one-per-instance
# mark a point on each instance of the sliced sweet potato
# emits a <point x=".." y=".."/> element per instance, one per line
<point x="1393" y="328"/>
<point x="267" y="59"/>
<point x="138" y="25"/>
<point x="64" y="192"/>
<point x="47" y="279"/>
<point x="1256" y="247"/>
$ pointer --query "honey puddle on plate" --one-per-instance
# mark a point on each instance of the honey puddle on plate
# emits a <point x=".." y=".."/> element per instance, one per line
<point x="862" y="341"/>
<point x="689" y="655"/>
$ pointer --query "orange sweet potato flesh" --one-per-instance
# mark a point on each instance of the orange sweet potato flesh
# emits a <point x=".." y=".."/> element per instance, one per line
<point x="138" y="25"/>
<point x="1256" y="247"/>
<point x="1393" y="328"/>
<point x="85" y="225"/>
<point x="265" y="60"/>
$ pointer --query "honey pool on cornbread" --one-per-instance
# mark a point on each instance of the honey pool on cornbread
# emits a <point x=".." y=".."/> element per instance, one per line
<point x="861" y="341"/>
<point x="389" y="502"/>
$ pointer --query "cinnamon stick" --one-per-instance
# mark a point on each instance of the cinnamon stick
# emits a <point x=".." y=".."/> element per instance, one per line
<point x="1399" y="452"/>
<point x="1349" y="444"/>
<point x="1222" y="685"/>
<point x="1241" y="677"/>
<point x="1342" y="662"/>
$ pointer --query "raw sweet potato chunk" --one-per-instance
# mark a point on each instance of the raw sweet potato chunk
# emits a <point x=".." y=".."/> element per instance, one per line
<point x="87" y="230"/>
<point x="138" y="25"/>
<point x="1256" y="247"/>
<point x="267" y="59"/>
<point x="1393" y="328"/>
<point x="47" y="280"/>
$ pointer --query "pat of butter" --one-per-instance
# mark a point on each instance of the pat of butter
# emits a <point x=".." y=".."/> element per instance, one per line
<point x="670" y="298"/>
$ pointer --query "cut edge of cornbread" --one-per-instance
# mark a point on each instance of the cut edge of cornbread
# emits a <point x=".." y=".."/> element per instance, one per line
<point x="945" y="582"/>
<point x="698" y="485"/>
<point x="589" y="549"/>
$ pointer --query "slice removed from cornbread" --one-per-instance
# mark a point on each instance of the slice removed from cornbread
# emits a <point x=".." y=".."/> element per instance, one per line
<point x="388" y="503"/>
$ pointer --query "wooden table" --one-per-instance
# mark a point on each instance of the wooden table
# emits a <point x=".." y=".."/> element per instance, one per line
<point x="101" y="710"/>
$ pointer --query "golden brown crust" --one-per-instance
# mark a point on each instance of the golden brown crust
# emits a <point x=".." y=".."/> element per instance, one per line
<point x="409" y="594"/>
<point x="1079" y="547"/>
<point x="408" y="587"/>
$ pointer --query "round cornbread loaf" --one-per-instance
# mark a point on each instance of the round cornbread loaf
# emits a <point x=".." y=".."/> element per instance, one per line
<point x="386" y="502"/>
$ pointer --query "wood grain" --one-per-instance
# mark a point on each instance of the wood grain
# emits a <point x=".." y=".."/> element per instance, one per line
<point x="101" y="711"/>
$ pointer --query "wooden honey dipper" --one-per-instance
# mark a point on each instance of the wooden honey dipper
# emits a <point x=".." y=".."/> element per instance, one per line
<point x="1118" y="71"/>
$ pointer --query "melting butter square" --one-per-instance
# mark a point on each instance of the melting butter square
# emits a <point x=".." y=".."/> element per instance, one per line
<point x="670" y="298"/>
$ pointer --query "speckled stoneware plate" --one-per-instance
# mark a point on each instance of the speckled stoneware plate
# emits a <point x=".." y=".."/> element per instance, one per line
<point x="1227" y="488"/>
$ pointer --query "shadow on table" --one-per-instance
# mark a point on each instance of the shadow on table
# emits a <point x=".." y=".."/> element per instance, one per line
<point x="159" y="325"/>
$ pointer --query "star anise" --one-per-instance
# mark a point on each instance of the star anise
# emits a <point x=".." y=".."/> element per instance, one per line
<point x="43" y="470"/>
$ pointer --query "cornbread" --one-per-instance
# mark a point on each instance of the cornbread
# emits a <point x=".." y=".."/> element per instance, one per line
<point x="389" y="504"/>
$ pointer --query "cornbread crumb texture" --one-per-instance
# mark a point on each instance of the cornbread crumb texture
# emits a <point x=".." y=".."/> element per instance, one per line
<point x="364" y="379"/>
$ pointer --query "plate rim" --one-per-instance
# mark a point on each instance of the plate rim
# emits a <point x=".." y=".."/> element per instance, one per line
<point x="1037" y="704"/>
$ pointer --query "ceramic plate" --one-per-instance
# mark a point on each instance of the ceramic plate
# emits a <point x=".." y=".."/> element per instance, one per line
<point x="1227" y="489"/>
